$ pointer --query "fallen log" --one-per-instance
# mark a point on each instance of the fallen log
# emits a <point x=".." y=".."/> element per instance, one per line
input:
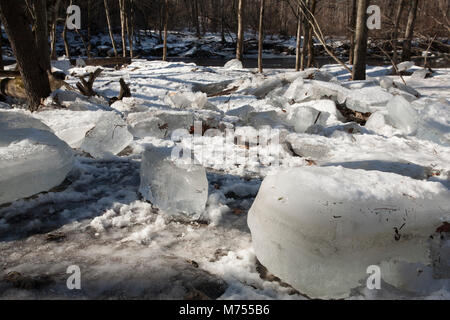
<point x="104" y="62"/>
<point x="9" y="74"/>
<point x="13" y="87"/>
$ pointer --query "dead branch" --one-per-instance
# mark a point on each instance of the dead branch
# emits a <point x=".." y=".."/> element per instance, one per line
<point x="86" y="87"/>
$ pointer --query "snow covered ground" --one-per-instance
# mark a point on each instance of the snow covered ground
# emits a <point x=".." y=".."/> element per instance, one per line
<point x="127" y="248"/>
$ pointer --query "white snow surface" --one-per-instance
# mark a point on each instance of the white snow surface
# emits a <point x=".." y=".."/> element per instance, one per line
<point x="128" y="248"/>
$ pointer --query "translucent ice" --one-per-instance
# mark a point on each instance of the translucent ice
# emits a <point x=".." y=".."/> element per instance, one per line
<point x="434" y="123"/>
<point x="32" y="158"/>
<point x="108" y="137"/>
<point x="172" y="184"/>
<point x="402" y="115"/>
<point x="186" y="100"/>
<point x="320" y="228"/>
<point x="304" y="117"/>
<point x="367" y="99"/>
<point x="159" y="124"/>
<point x="234" y="64"/>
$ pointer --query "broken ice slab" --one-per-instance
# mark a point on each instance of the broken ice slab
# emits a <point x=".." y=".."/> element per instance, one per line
<point x="405" y="66"/>
<point x="294" y="88"/>
<point x="421" y="74"/>
<point x="173" y="182"/>
<point x="266" y="118"/>
<point x="379" y="123"/>
<point x="320" y="228"/>
<point x="211" y="88"/>
<point x="242" y="112"/>
<point x="234" y="64"/>
<point x="108" y="137"/>
<point x="32" y="158"/>
<point x="189" y="100"/>
<point x="393" y="165"/>
<point x="402" y="115"/>
<point x="159" y="123"/>
<point x="307" y="148"/>
<point x="315" y="90"/>
<point x="368" y="99"/>
<point x="434" y="123"/>
<point x="304" y="117"/>
<point x="263" y="89"/>
<point x="130" y="105"/>
<point x="20" y="120"/>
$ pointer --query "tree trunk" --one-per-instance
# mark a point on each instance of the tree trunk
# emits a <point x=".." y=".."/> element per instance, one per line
<point x="34" y="75"/>
<point x="129" y="29"/>
<point x="2" y="67"/>
<point x="299" y="40"/>
<point x="359" y="64"/>
<point x="111" y="34"/>
<point x="352" y="31"/>
<point x="406" y="55"/>
<point x="195" y="17"/>
<point x="240" y="33"/>
<point x="41" y="34"/>
<point x="222" y="22"/>
<point x="123" y="26"/>
<point x="306" y="28"/>
<point x="310" y="38"/>
<point x="89" y="17"/>
<point x="398" y="15"/>
<point x="54" y="25"/>
<point x="261" y="36"/>
<point x="64" y="35"/>
<point x="166" y="19"/>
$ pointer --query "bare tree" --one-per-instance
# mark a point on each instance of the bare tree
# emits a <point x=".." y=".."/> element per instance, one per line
<point x="41" y="34"/>
<point x="359" y="63"/>
<point x="352" y="31"/>
<point x="111" y="34"/>
<point x="123" y="19"/>
<point x="53" y="30"/>
<point x="310" y="37"/>
<point x="397" y="17"/>
<point x="2" y="66"/>
<point x="240" y="33"/>
<point x="406" y="55"/>
<point x="64" y="35"/>
<point x="34" y="74"/>
<point x="166" y="19"/>
<point x="299" y="39"/>
<point x="261" y="36"/>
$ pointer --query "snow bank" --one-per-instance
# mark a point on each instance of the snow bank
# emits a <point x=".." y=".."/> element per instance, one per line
<point x="319" y="229"/>
<point x="32" y="158"/>
<point x="173" y="185"/>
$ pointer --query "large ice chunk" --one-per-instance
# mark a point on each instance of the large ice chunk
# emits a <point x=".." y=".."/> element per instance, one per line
<point x="160" y="124"/>
<point x="367" y="99"/>
<point x="434" y="124"/>
<point x="315" y="90"/>
<point x="304" y="117"/>
<point x="173" y="184"/>
<point x="234" y="64"/>
<point x="32" y="158"/>
<point x="319" y="229"/>
<point x="189" y="100"/>
<point x="108" y="137"/>
<point x="402" y="115"/>
<point x="100" y="133"/>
